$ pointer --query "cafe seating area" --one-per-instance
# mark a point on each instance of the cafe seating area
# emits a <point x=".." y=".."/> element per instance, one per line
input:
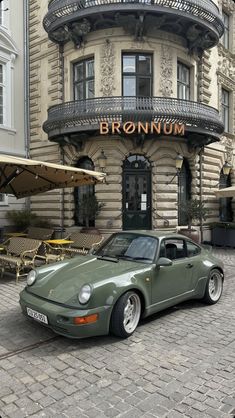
<point x="22" y="251"/>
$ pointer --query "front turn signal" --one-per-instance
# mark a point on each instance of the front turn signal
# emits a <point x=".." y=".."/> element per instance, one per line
<point x="80" y="320"/>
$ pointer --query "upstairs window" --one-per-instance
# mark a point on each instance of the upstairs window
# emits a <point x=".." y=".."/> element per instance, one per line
<point x="183" y="81"/>
<point x="84" y="86"/>
<point x="225" y="203"/>
<point x="225" y="109"/>
<point x="225" y="37"/>
<point x="137" y="75"/>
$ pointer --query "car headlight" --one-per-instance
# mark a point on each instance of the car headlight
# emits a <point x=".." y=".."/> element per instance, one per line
<point x="31" y="277"/>
<point x="84" y="294"/>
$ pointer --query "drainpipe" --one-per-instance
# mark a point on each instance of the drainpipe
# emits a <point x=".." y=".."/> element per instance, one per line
<point x="26" y="84"/>
<point x="61" y="60"/>
<point x="201" y="198"/>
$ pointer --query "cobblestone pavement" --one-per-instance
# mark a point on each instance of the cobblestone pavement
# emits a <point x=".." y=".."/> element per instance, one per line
<point x="180" y="363"/>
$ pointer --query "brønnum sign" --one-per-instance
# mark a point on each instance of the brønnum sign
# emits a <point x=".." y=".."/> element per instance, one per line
<point x="128" y="128"/>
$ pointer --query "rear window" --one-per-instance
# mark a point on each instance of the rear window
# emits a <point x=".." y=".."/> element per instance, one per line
<point x="192" y="249"/>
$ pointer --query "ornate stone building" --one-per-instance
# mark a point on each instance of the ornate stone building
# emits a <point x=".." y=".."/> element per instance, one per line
<point x="159" y="75"/>
<point x="13" y="74"/>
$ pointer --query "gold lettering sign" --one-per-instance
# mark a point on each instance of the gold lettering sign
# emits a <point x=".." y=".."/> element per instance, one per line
<point x="128" y="128"/>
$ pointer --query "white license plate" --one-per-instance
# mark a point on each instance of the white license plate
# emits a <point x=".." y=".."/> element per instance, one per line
<point x="37" y="315"/>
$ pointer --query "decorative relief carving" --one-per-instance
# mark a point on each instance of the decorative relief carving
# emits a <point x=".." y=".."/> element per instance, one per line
<point x="204" y="75"/>
<point x="229" y="5"/>
<point x="166" y="71"/>
<point x="226" y="63"/>
<point x="107" y="69"/>
<point x="228" y="144"/>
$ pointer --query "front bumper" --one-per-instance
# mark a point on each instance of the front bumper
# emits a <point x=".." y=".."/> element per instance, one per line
<point x="60" y="319"/>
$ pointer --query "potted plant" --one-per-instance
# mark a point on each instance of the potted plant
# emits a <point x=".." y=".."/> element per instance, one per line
<point x="20" y="220"/>
<point x="195" y="210"/>
<point x="89" y="208"/>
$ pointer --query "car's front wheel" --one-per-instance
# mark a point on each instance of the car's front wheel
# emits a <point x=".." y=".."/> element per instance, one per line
<point x="126" y="314"/>
<point x="214" y="287"/>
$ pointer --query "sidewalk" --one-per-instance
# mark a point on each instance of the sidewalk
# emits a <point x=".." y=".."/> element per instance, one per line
<point x="178" y="364"/>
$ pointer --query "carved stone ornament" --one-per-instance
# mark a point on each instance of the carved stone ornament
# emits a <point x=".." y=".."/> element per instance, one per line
<point x="107" y="69"/>
<point x="229" y="5"/>
<point x="226" y="64"/>
<point x="228" y="144"/>
<point x="166" y="71"/>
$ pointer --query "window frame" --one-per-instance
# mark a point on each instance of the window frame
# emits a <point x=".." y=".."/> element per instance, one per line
<point x="195" y="245"/>
<point x="225" y="109"/>
<point x="181" y="82"/>
<point x="164" y="241"/>
<point x="225" y="40"/>
<point x="85" y="79"/>
<point x="137" y="74"/>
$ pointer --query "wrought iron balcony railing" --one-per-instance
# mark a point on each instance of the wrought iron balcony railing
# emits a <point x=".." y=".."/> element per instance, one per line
<point x="197" y="20"/>
<point x="84" y="116"/>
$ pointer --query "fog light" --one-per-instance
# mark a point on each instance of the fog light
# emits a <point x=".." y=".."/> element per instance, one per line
<point x="80" y="320"/>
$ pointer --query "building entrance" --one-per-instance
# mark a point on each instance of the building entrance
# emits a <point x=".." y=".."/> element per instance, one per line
<point x="136" y="193"/>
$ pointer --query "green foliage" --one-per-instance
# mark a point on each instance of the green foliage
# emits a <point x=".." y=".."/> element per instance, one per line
<point x="195" y="210"/>
<point x="22" y="219"/>
<point x="89" y="208"/>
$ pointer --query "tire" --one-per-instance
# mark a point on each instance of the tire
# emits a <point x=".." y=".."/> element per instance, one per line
<point x="214" y="287"/>
<point x="126" y="314"/>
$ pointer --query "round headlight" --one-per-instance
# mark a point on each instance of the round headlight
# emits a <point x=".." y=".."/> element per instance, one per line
<point x="31" y="277"/>
<point x="84" y="294"/>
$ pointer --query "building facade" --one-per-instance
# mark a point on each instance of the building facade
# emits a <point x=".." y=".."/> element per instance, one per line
<point x="13" y="109"/>
<point x="131" y="88"/>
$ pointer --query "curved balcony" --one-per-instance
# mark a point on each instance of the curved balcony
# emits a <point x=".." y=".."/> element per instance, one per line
<point x="83" y="117"/>
<point x="199" y="21"/>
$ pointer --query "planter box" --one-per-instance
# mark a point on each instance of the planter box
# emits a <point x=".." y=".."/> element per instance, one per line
<point x="223" y="236"/>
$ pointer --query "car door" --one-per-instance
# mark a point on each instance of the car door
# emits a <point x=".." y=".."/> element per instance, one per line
<point x="195" y="261"/>
<point x="171" y="284"/>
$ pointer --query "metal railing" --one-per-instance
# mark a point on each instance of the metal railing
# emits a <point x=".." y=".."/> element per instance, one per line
<point x="206" y="10"/>
<point x="87" y="114"/>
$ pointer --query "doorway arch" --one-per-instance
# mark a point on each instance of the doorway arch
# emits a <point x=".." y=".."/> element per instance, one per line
<point x="137" y="193"/>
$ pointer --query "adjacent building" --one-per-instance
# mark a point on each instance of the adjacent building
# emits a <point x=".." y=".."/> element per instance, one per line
<point x="13" y="100"/>
<point x="134" y="88"/>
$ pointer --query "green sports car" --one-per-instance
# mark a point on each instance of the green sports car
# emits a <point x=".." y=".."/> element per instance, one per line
<point x="132" y="275"/>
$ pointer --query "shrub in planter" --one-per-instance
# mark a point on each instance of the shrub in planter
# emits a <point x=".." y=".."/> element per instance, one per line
<point x="195" y="210"/>
<point x="22" y="219"/>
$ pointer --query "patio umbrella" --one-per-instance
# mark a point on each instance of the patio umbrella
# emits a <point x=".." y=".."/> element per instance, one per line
<point x="25" y="177"/>
<point x="227" y="192"/>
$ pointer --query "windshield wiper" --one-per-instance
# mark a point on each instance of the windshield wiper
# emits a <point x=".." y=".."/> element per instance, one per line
<point x="107" y="258"/>
<point x="128" y="257"/>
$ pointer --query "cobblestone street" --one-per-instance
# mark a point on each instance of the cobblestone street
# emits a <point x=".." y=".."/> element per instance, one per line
<point x="179" y="363"/>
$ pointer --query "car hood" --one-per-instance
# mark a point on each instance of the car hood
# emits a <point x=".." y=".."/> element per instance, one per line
<point x="62" y="282"/>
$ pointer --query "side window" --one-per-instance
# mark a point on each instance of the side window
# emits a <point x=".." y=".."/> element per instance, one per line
<point x="192" y="249"/>
<point x="174" y="249"/>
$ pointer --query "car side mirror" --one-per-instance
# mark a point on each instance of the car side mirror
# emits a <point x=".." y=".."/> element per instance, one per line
<point x="163" y="262"/>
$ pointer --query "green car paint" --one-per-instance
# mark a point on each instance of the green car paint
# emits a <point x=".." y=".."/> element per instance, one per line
<point x="55" y="291"/>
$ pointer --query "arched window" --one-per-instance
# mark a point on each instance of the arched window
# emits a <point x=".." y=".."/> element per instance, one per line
<point x="184" y="191"/>
<point x="81" y="191"/>
<point x="225" y="203"/>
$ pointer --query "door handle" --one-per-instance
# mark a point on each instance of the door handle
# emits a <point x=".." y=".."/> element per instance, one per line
<point x="189" y="266"/>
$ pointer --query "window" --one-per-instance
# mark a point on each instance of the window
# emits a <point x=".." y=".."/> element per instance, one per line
<point x="225" y="203"/>
<point x="81" y="192"/>
<point x="183" y="81"/>
<point x="2" y="93"/>
<point x="225" y="37"/>
<point x="137" y="75"/>
<point x="173" y="249"/>
<point x="192" y="249"/>
<point x="184" y="192"/>
<point x="84" y="87"/>
<point x="225" y="109"/>
<point x="3" y="199"/>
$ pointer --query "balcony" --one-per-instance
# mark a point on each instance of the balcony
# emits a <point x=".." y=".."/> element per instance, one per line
<point x="82" y="118"/>
<point x="198" y="21"/>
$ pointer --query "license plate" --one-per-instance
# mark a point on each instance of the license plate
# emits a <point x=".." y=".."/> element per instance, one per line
<point x="37" y="315"/>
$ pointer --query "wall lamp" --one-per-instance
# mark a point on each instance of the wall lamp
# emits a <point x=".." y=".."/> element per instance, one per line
<point x="226" y="168"/>
<point x="178" y="165"/>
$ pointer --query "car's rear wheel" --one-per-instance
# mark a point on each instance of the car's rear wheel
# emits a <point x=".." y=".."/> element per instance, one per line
<point x="214" y="287"/>
<point x="126" y="314"/>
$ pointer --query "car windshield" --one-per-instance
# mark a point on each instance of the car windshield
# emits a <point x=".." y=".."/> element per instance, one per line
<point x="129" y="246"/>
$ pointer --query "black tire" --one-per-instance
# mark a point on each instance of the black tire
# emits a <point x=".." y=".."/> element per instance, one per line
<point x="126" y="314"/>
<point x="214" y="287"/>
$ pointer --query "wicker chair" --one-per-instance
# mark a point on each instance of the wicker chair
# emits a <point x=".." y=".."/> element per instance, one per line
<point x="20" y="253"/>
<point x="82" y="243"/>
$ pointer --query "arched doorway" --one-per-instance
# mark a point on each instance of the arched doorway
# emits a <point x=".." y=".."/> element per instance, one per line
<point x="184" y="192"/>
<point x="81" y="191"/>
<point x="136" y="193"/>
